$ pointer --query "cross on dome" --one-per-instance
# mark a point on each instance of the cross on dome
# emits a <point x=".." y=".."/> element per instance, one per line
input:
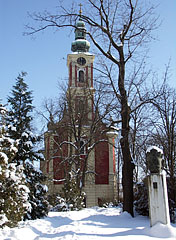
<point x="80" y="11"/>
<point x="80" y="44"/>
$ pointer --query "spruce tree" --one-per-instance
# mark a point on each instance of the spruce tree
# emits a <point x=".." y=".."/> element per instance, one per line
<point x="13" y="191"/>
<point x="19" y="120"/>
<point x="38" y="190"/>
<point x="20" y="129"/>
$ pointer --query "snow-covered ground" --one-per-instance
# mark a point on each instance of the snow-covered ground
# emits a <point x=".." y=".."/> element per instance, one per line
<point x="91" y="223"/>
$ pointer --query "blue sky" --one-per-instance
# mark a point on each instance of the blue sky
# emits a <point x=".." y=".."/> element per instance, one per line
<point x="44" y="57"/>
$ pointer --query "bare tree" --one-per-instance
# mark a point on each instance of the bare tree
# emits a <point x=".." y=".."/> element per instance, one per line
<point x="164" y="134"/>
<point x="117" y="29"/>
<point x="161" y="131"/>
<point x="79" y="130"/>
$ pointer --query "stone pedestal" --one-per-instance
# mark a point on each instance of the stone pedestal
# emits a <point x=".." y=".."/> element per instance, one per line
<point x="158" y="199"/>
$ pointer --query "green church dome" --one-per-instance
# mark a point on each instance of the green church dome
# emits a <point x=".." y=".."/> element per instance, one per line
<point x="80" y="44"/>
<point x="80" y="23"/>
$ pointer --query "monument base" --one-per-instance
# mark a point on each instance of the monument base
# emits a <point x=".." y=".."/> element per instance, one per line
<point x="158" y="199"/>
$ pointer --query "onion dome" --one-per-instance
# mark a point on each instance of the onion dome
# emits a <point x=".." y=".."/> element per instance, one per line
<point x="80" y="44"/>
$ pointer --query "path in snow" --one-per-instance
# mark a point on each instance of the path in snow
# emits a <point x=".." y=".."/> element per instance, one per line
<point x="92" y="223"/>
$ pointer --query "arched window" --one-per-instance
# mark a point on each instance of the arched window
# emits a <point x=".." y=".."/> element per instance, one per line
<point x="81" y="76"/>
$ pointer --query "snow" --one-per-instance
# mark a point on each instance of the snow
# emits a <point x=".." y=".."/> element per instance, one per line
<point x="24" y="134"/>
<point x="13" y="176"/>
<point x="45" y="188"/>
<point x="12" y="128"/>
<point x="29" y="143"/>
<point x="89" y="224"/>
<point x="3" y="219"/>
<point x="13" y="149"/>
<point x="4" y="156"/>
<point x="162" y="231"/>
<point x="82" y="53"/>
<point x="23" y="92"/>
<point x="156" y="148"/>
<point x="3" y="110"/>
<point x="115" y="128"/>
<point x="24" y="187"/>
<point x="112" y="133"/>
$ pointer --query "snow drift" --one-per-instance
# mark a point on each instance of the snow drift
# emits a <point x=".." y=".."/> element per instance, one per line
<point x="91" y="223"/>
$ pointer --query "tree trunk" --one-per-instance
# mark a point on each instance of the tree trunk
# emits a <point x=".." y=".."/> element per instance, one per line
<point x="128" y="166"/>
<point x="127" y="177"/>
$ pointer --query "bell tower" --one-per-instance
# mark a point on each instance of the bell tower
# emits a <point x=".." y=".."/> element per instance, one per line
<point x="80" y="68"/>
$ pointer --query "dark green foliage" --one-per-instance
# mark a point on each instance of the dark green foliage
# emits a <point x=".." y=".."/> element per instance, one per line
<point x="37" y="197"/>
<point x="13" y="195"/>
<point x="19" y="122"/>
<point x="21" y="104"/>
<point x="172" y="198"/>
<point x="57" y="203"/>
<point x="141" y="199"/>
<point x="72" y="195"/>
<point x="13" y="191"/>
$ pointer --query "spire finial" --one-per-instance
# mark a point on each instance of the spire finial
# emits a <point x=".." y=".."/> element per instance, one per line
<point x="80" y="11"/>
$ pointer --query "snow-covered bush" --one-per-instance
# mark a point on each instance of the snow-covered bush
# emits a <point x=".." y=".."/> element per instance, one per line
<point x="106" y="203"/>
<point x="74" y="198"/>
<point x="69" y="199"/>
<point x="13" y="190"/>
<point x="57" y="203"/>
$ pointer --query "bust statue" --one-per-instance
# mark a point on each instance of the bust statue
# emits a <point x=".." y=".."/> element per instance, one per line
<point x="155" y="160"/>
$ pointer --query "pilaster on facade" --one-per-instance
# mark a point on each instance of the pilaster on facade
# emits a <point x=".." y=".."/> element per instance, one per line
<point x="112" y="135"/>
<point x="47" y="165"/>
<point x="90" y="176"/>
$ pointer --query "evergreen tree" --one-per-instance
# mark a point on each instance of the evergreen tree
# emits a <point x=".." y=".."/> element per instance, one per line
<point x="73" y="197"/>
<point x="37" y="197"/>
<point x="20" y="129"/>
<point x="13" y="191"/>
<point x="19" y="121"/>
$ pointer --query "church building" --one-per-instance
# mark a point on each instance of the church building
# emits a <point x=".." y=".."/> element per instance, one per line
<point x="80" y="138"/>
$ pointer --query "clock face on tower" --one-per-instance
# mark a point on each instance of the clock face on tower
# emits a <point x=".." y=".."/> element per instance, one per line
<point x="81" y="61"/>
